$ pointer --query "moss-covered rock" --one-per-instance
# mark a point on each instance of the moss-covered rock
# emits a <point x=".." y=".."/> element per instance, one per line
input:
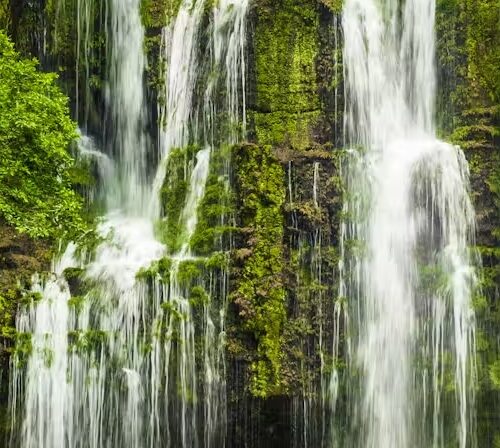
<point x="286" y="107"/>
<point x="258" y="293"/>
<point x="215" y="224"/>
<point x="174" y="194"/>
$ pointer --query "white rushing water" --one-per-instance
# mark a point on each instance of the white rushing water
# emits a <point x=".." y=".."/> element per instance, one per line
<point x="127" y="104"/>
<point x="406" y="268"/>
<point x="119" y="364"/>
<point x="45" y="377"/>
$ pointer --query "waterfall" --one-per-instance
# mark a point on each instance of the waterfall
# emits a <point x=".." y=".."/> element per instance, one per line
<point x="126" y="345"/>
<point x="407" y="270"/>
<point x="127" y="105"/>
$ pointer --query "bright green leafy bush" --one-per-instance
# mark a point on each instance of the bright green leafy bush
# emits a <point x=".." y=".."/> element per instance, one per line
<point x="36" y="196"/>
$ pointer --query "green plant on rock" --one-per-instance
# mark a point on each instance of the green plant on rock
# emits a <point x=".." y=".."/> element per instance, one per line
<point x="218" y="260"/>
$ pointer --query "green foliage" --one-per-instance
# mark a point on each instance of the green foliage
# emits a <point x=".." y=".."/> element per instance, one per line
<point x="36" y="196"/>
<point x="260" y="294"/>
<point x="468" y="47"/>
<point x="218" y="260"/>
<point x="172" y="310"/>
<point x="73" y="274"/>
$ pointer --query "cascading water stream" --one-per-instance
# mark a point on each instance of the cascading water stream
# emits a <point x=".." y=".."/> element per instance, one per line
<point x="125" y="351"/>
<point x="406" y="268"/>
<point x="127" y="106"/>
<point x="182" y="68"/>
<point x="179" y="45"/>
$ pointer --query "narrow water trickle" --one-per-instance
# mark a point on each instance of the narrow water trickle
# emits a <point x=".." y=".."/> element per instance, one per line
<point x="407" y="271"/>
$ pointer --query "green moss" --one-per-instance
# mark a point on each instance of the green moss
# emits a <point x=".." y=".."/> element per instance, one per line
<point x="87" y="341"/>
<point x="483" y="47"/>
<point x="218" y="260"/>
<point x="173" y="196"/>
<point x="216" y="209"/>
<point x="7" y="310"/>
<point x="259" y="293"/>
<point x="77" y="303"/>
<point x="154" y="69"/>
<point x="334" y="5"/>
<point x="158" y="13"/>
<point x="158" y="269"/>
<point x="287" y="106"/>
<point x="198" y="296"/>
<point x="476" y="135"/>
<point x="171" y="310"/>
<point x="23" y="348"/>
<point x="494" y="371"/>
<point x="188" y="271"/>
<point x="80" y="174"/>
<point x="5" y="18"/>
<point x="78" y="54"/>
<point x="73" y="273"/>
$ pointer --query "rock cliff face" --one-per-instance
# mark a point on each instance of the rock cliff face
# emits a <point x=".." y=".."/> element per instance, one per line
<point x="288" y="192"/>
